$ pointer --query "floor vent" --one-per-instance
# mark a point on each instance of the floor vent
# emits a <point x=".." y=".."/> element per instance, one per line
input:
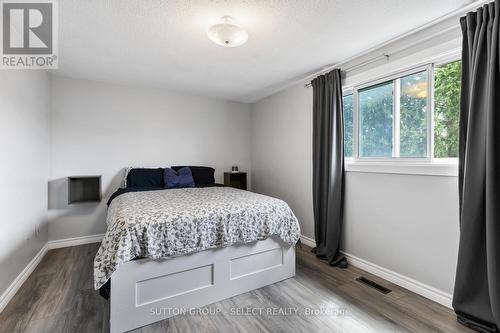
<point x="373" y="285"/>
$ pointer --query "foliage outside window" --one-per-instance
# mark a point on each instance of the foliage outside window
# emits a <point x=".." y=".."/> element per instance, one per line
<point x="393" y="117"/>
<point x="447" y="79"/>
<point x="347" y="102"/>
<point x="413" y="115"/>
<point x="375" y="121"/>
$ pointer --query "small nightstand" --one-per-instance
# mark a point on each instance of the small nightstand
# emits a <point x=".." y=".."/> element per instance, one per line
<point x="236" y="180"/>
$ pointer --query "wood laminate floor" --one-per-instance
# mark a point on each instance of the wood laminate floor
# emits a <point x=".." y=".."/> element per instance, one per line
<point x="59" y="297"/>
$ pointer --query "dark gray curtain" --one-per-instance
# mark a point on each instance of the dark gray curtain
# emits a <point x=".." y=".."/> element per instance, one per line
<point x="476" y="298"/>
<point x="328" y="166"/>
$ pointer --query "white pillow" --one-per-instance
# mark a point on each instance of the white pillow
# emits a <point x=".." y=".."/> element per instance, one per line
<point x="127" y="170"/>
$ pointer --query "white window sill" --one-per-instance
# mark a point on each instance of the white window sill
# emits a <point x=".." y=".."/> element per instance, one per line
<point x="438" y="167"/>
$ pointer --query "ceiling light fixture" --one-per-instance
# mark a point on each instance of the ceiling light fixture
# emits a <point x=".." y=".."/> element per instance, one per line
<point x="227" y="33"/>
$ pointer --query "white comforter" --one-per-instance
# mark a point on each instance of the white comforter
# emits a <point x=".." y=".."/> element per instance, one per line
<point x="166" y="223"/>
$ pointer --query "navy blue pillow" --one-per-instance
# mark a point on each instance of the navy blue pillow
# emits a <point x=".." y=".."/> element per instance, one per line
<point x="145" y="177"/>
<point x="178" y="179"/>
<point x="202" y="175"/>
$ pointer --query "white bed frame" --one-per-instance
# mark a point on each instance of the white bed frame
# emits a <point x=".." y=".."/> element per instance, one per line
<point x="145" y="291"/>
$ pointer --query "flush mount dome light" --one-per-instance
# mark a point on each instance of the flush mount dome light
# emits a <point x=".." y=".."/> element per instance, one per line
<point x="227" y="33"/>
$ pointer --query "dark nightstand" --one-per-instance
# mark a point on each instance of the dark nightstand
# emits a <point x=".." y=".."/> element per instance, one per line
<point x="236" y="180"/>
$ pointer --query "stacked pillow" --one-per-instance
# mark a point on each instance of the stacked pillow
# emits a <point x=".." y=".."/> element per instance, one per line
<point x="175" y="177"/>
<point x="178" y="179"/>
<point x="202" y="175"/>
<point x="139" y="177"/>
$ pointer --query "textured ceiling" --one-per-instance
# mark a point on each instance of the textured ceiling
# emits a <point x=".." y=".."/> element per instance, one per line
<point x="164" y="44"/>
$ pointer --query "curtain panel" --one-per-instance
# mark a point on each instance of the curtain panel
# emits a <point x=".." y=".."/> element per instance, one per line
<point x="476" y="297"/>
<point x="328" y="166"/>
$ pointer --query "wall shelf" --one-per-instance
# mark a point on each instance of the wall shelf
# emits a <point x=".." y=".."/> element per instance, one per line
<point x="84" y="189"/>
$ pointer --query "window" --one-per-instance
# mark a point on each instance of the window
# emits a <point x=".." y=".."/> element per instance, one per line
<point x="347" y="102"/>
<point x="446" y="109"/>
<point x="391" y="119"/>
<point x="375" y="121"/>
<point x="413" y="115"/>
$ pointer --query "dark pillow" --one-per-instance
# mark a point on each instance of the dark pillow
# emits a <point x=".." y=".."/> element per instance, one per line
<point x="202" y="175"/>
<point x="178" y="179"/>
<point x="145" y="177"/>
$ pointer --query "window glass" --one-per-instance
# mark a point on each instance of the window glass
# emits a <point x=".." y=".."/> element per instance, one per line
<point x="376" y="121"/>
<point x="393" y="117"/>
<point x="347" y="102"/>
<point x="447" y="80"/>
<point x="413" y="115"/>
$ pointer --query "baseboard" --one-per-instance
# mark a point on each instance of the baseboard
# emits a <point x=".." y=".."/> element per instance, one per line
<point x="21" y="278"/>
<point x="307" y="241"/>
<point x="26" y="272"/>
<point x="417" y="287"/>
<point x="56" y="244"/>
<point x="413" y="285"/>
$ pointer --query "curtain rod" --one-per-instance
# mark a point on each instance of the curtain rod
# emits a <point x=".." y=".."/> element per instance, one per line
<point x="332" y="67"/>
<point x="459" y="11"/>
<point x="387" y="56"/>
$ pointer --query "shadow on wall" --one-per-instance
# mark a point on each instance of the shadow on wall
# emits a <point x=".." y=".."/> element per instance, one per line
<point x="78" y="219"/>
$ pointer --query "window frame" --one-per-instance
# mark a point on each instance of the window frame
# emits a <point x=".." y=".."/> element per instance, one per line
<point x="378" y="83"/>
<point x="428" y="165"/>
<point x="394" y="79"/>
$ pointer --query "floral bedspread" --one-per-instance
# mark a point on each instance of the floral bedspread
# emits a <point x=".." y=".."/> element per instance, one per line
<point x="168" y="223"/>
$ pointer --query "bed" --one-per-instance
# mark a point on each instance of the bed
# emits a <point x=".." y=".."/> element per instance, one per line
<point x="167" y="251"/>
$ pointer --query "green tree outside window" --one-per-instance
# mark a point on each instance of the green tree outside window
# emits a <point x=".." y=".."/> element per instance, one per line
<point x="447" y="79"/>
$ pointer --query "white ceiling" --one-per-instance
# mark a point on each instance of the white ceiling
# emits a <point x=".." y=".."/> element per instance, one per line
<point x="164" y="44"/>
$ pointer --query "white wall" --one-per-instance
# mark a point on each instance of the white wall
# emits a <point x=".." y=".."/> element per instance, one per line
<point x="99" y="129"/>
<point x="405" y="223"/>
<point x="24" y="143"/>
<point x="282" y="151"/>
